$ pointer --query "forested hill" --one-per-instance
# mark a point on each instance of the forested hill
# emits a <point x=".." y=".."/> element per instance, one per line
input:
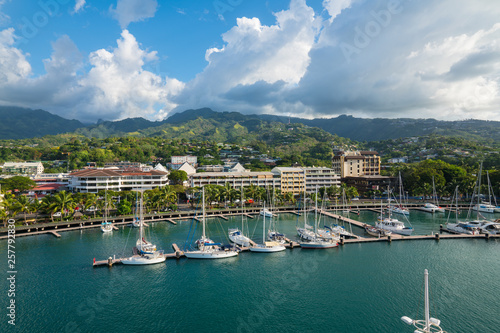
<point x="18" y="123"/>
<point x="21" y="123"/>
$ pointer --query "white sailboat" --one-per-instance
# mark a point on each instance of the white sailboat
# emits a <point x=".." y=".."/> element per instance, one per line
<point x="392" y="224"/>
<point x="306" y="233"/>
<point x="399" y="208"/>
<point x="106" y="226"/>
<point x="235" y="235"/>
<point x="433" y="207"/>
<point x="207" y="249"/>
<point x="469" y="228"/>
<point x="318" y="242"/>
<point x="429" y="324"/>
<point x="266" y="247"/>
<point x="147" y="253"/>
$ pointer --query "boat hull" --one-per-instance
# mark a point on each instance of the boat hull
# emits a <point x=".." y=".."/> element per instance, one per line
<point x="318" y="245"/>
<point x="210" y="254"/>
<point x="264" y="249"/>
<point x="139" y="260"/>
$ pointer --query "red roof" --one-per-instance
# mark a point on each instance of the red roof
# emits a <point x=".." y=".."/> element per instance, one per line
<point x="48" y="187"/>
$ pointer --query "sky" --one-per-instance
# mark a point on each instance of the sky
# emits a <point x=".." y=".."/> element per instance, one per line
<point x="111" y="60"/>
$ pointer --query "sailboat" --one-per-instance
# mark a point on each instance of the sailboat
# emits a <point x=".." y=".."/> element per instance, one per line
<point x="318" y="242"/>
<point x="434" y="206"/>
<point x="392" y="224"/>
<point x="306" y="233"/>
<point x="475" y="226"/>
<point x="273" y="234"/>
<point x="398" y="208"/>
<point x="235" y="235"/>
<point x="135" y="222"/>
<point x="486" y="207"/>
<point x="469" y="228"/>
<point x="429" y="324"/>
<point x="207" y="249"/>
<point x="147" y="253"/>
<point x="106" y="226"/>
<point x="266" y="247"/>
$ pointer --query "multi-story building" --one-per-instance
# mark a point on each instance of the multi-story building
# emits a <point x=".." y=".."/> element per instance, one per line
<point x="356" y="163"/>
<point x="317" y="177"/>
<point x="292" y="179"/>
<point x="93" y="180"/>
<point x="193" y="160"/>
<point x="26" y="168"/>
<point x="236" y="179"/>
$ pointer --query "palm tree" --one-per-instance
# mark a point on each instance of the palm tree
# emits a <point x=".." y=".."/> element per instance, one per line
<point x="168" y="195"/>
<point x="24" y="205"/>
<point x="36" y="206"/>
<point x="63" y="202"/>
<point x="229" y="193"/>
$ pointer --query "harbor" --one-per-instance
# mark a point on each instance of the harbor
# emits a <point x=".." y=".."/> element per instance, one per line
<point x="363" y="280"/>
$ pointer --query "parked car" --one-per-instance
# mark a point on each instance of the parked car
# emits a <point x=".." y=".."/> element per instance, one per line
<point x="57" y="214"/>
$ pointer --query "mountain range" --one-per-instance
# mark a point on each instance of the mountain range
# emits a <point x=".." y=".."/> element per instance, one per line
<point x="21" y="123"/>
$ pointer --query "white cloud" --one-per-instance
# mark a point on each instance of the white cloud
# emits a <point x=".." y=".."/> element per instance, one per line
<point x="79" y="4"/>
<point x="128" y="11"/>
<point x="255" y="54"/>
<point x="425" y="59"/>
<point x="115" y="87"/>
<point x="13" y="64"/>
<point x="122" y="88"/>
<point x="335" y="7"/>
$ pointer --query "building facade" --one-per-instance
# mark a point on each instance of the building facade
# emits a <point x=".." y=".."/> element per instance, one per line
<point x="356" y="163"/>
<point x="236" y="179"/>
<point x="193" y="160"/>
<point x="25" y="168"/>
<point x="317" y="177"/>
<point x="292" y="179"/>
<point x="94" y="180"/>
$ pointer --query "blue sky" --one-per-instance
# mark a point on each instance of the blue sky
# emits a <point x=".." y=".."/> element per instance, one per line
<point x="89" y="60"/>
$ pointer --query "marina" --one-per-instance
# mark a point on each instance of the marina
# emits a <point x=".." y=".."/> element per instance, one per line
<point x="364" y="277"/>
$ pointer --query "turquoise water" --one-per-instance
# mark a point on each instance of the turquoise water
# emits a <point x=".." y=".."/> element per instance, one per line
<point x="354" y="288"/>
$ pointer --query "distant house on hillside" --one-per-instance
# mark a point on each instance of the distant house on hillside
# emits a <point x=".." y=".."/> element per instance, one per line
<point x="26" y="168"/>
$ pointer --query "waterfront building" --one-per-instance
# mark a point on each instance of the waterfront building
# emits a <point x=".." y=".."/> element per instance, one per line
<point x="93" y="180"/>
<point x="369" y="183"/>
<point x="292" y="179"/>
<point x="236" y="179"/>
<point x="317" y="177"/>
<point x="356" y="163"/>
<point x="26" y="168"/>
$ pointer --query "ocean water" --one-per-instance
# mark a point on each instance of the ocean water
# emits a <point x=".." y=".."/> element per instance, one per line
<point x="352" y="288"/>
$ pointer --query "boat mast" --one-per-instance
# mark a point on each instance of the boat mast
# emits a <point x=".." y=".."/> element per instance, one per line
<point x="479" y="188"/>
<point x="427" y="315"/>
<point x="203" y="212"/>
<point x="316" y="212"/>
<point x="305" y="221"/>
<point x="264" y="226"/>
<point x="141" y="219"/>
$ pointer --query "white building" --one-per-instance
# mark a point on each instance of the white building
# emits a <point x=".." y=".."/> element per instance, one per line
<point x="27" y="168"/>
<point x="193" y="160"/>
<point x="317" y="177"/>
<point x="236" y="179"/>
<point x="93" y="180"/>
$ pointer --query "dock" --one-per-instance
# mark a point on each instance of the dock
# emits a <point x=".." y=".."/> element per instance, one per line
<point x="55" y="234"/>
<point x="171" y="221"/>
<point x="342" y="218"/>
